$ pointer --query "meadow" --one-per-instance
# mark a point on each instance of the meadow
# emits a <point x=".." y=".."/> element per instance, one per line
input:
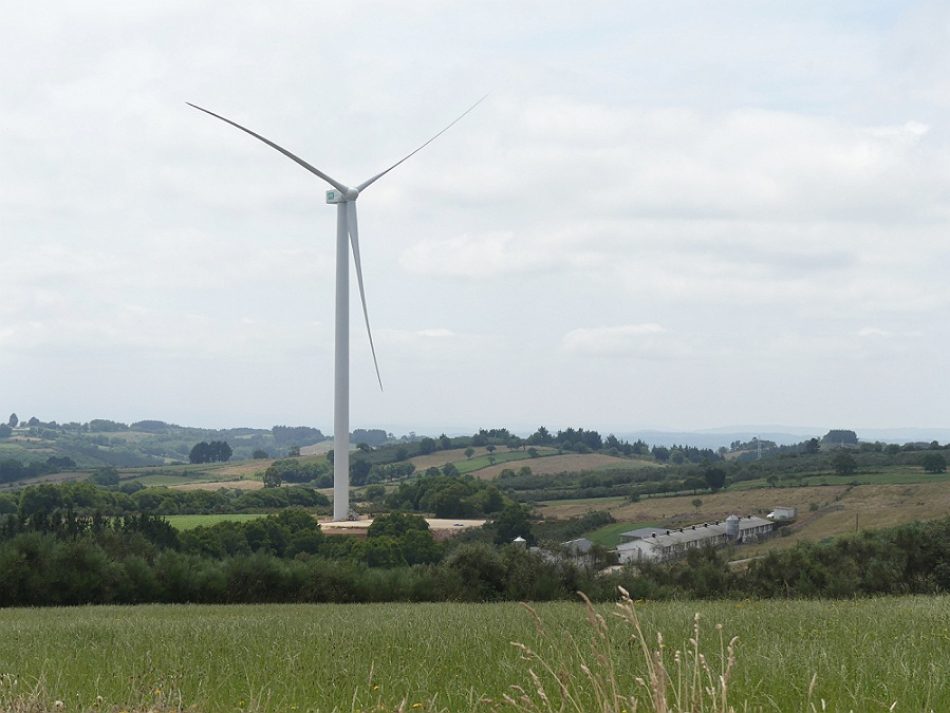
<point x="860" y="655"/>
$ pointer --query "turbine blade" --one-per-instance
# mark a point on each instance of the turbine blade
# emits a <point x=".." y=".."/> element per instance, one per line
<point x="375" y="178"/>
<point x="355" y="242"/>
<point x="316" y="171"/>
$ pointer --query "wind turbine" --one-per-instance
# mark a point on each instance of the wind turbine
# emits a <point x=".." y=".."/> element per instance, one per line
<point x="344" y="197"/>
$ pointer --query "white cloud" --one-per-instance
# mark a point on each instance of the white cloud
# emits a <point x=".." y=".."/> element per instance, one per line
<point x="874" y="332"/>
<point x="490" y="255"/>
<point x="639" y="341"/>
<point x="768" y="183"/>
<point x="435" y="342"/>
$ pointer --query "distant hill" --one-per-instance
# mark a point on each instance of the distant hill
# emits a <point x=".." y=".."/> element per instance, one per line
<point x="713" y="440"/>
<point x="781" y="435"/>
<point x="102" y="442"/>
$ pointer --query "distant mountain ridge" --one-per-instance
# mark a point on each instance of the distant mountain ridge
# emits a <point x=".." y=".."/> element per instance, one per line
<point x="782" y="435"/>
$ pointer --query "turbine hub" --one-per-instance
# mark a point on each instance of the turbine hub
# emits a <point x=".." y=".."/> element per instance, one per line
<point x="347" y="196"/>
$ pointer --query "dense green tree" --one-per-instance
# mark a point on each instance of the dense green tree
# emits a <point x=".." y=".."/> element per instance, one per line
<point x="541" y="437"/>
<point x="107" y="476"/>
<point x="844" y="463"/>
<point x="374" y="493"/>
<point x="469" y="452"/>
<point x="13" y="421"/>
<point x="840" y="437"/>
<point x="213" y="452"/>
<point x="514" y="521"/>
<point x="934" y="463"/>
<point x="285" y="436"/>
<point x="359" y="471"/>
<point x="372" y="437"/>
<point x="396" y="524"/>
<point x="481" y="569"/>
<point x="715" y="478"/>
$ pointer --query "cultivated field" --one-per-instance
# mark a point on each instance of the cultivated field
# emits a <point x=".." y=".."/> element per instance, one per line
<point x="565" y="463"/>
<point x="865" y="656"/>
<point x="457" y="456"/>
<point x="189" y="522"/>
<point x="219" y="484"/>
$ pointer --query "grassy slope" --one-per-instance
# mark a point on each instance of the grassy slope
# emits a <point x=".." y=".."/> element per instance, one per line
<point x="866" y="654"/>
<point x="458" y="457"/>
<point x="838" y="507"/>
<point x="565" y="463"/>
<point x="609" y="535"/>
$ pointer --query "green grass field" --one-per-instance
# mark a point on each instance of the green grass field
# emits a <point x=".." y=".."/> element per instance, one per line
<point x="899" y="475"/>
<point x="609" y="535"/>
<point x="189" y="522"/>
<point x="865" y="654"/>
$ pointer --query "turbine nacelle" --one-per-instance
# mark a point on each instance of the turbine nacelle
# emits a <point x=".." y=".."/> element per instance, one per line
<point x="347" y="196"/>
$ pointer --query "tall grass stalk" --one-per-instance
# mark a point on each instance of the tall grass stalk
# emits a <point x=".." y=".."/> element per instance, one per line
<point x="588" y="678"/>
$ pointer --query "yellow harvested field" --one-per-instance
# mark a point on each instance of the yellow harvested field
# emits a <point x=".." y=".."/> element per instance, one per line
<point x="840" y="508"/>
<point x="867" y="507"/>
<point x="435" y="523"/>
<point x="219" y="484"/>
<point x="242" y="468"/>
<point x="317" y="449"/>
<point x="566" y="463"/>
<point x="441" y="528"/>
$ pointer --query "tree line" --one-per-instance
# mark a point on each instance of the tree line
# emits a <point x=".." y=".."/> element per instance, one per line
<point x="285" y="558"/>
<point x="86" y="498"/>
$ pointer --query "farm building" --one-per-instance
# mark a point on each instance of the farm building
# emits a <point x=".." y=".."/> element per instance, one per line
<point x="781" y="513"/>
<point x="660" y="544"/>
<point x="578" y="547"/>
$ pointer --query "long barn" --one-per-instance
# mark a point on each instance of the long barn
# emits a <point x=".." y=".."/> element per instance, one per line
<point x="654" y="544"/>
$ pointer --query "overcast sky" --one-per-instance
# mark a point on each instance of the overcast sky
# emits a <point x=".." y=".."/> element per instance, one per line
<point x="672" y="215"/>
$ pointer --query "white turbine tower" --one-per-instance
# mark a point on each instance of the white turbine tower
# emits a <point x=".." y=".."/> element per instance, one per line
<point x="346" y="228"/>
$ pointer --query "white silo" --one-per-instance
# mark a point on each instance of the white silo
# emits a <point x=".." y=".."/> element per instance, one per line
<point x="732" y="527"/>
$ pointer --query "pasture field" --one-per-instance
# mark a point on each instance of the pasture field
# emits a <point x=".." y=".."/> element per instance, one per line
<point x="897" y="475"/>
<point x="457" y="456"/>
<point x="190" y="522"/>
<point x="474" y="463"/>
<point x="609" y="535"/>
<point x="863" y="656"/>
<point x="219" y="484"/>
<point x="564" y="463"/>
